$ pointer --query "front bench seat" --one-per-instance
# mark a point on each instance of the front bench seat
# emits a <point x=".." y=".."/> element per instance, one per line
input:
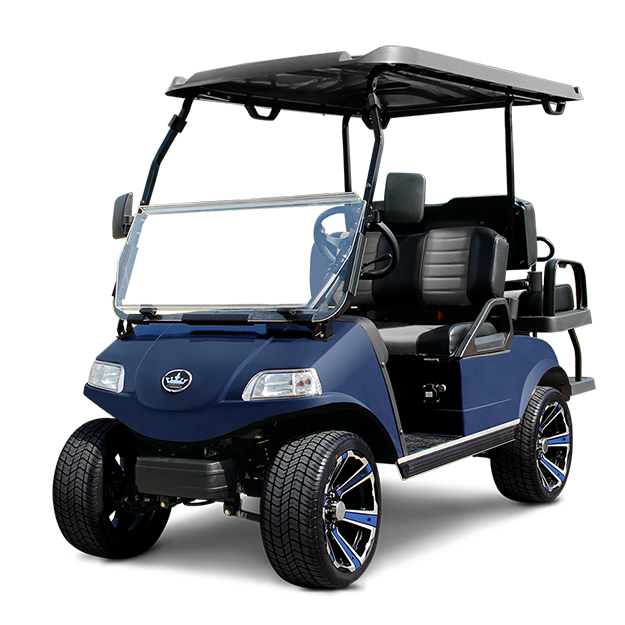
<point x="447" y="267"/>
<point x="403" y="339"/>
<point x="457" y="269"/>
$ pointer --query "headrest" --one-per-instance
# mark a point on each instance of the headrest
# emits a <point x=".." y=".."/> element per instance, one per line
<point x="404" y="199"/>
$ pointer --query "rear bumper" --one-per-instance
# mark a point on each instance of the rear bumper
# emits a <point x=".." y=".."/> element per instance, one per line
<point x="188" y="478"/>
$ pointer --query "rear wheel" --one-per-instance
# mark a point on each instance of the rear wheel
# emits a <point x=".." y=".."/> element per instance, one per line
<point x="534" y="468"/>
<point x="320" y="510"/>
<point x="94" y="494"/>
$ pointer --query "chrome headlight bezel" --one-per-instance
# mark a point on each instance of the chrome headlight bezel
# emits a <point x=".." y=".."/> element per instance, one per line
<point x="286" y="383"/>
<point x="108" y="376"/>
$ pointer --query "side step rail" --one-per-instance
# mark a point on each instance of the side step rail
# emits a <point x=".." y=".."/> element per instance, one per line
<point x="428" y="459"/>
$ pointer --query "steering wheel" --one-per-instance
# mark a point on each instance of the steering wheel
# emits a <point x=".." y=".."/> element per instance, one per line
<point x="545" y="242"/>
<point x="333" y="247"/>
<point x="393" y="255"/>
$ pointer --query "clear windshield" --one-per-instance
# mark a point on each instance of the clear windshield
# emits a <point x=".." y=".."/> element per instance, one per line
<point x="256" y="260"/>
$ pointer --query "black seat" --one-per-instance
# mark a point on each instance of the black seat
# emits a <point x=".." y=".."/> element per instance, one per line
<point x="446" y="273"/>
<point x="403" y="339"/>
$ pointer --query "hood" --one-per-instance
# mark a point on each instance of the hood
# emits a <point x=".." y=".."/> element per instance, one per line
<point x="214" y="356"/>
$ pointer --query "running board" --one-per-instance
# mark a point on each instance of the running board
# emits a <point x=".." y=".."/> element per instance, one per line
<point x="434" y="457"/>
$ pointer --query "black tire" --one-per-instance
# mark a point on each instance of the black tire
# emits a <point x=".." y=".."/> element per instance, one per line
<point x="534" y="468"/>
<point x="94" y="474"/>
<point x="320" y="510"/>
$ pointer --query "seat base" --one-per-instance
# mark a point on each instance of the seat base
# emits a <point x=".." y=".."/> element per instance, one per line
<point x="403" y="339"/>
<point x="559" y="323"/>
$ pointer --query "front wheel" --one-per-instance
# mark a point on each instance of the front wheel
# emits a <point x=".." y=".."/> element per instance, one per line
<point x="320" y="510"/>
<point x="94" y="494"/>
<point x="534" y="468"/>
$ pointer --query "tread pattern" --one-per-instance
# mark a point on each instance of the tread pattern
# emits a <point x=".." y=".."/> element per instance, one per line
<point x="291" y="524"/>
<point x="78" y="495"/>
<point x="75" y="492"/>
<point x="514" y="465"/>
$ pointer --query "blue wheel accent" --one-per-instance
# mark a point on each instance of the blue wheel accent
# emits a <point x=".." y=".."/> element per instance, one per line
<point x="552" y="469"/>
<point x="357" y="478"/>
<point x="559" y="440"/>
<point x="347" y="550"/>
<point x="365" y="519"/>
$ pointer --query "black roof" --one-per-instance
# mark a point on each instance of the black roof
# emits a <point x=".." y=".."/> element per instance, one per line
<point x="413" y="82"/>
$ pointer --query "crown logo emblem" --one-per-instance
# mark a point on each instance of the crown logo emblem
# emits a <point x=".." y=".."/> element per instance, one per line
<point x="176" y="380"/>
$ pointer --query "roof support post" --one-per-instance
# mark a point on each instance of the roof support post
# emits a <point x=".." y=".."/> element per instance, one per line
<point x="509" y="152"/>
<point x="176" y="125"/>
<point x="375" y="119"/>
<point x="347" y="165"/>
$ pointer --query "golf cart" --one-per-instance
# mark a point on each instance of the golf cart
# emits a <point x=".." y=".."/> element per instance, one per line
<point x="281" y="348"/>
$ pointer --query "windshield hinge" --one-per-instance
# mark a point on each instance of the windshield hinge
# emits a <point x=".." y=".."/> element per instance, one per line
<point x="374" y="216"/>
<point x="124" y="332"/>
<point x="323" y="333"/>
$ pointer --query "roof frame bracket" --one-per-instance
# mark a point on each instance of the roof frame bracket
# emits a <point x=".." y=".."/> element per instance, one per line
<point x="559" y="107"/>
<point x="254" y="114"/>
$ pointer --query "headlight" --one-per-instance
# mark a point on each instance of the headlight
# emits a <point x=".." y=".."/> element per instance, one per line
<point x="283" y="384"/>
<point x="107" y="376"/>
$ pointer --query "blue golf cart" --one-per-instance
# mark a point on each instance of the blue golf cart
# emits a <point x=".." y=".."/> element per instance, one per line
<point x="281" y="348"/>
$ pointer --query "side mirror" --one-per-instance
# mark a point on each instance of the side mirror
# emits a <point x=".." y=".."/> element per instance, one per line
<point x="122" y="216"/>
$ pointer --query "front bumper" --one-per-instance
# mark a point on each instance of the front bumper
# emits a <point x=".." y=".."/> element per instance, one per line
<point x="186" y="478"/>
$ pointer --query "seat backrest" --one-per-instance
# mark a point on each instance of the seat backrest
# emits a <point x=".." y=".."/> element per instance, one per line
<point x="463" y="266"/>
<point x="444" y="267"/>
<point x="516" y="223"/>
<point x="402" y="209"/>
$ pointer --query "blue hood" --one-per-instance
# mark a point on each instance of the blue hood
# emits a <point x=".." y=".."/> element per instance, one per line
<point x="222" y="360"/>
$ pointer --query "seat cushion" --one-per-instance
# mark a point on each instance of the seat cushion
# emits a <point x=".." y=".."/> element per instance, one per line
<point x="402" y="339"/>
<point x="531" y="304"/>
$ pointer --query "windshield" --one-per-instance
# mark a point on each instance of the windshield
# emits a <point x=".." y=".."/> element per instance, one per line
<point x="285" y="259"/>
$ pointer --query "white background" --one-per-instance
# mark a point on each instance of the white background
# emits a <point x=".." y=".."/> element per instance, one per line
<point x="49" y="254"/>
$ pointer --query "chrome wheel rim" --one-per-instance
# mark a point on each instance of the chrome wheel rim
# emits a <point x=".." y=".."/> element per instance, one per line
<point x="350" y="512"/>
<point x="553" y="447"/>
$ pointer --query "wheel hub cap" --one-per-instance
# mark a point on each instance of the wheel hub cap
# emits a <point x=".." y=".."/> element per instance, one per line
<point x="339" y="511"/>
